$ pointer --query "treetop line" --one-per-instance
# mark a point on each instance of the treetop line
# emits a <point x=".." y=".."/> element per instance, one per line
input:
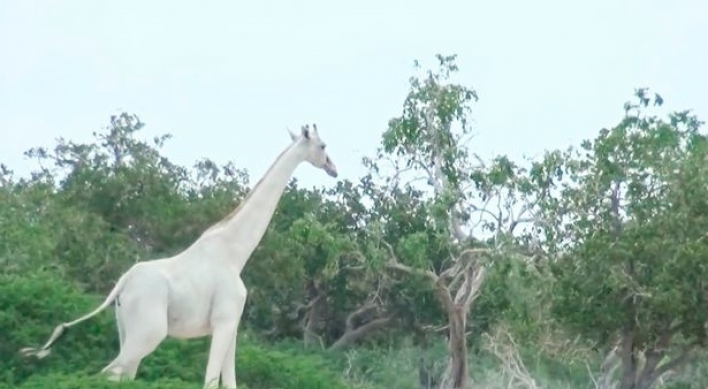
<point x="603" y="244"/>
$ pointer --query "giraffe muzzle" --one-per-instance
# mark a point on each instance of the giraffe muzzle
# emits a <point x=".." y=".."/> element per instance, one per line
<point x="330" y="170"/>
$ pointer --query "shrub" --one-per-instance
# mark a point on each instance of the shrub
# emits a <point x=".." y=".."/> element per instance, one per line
<point x="32" y="305"/>
<point x="83" y="381"/>
<point x="262" y="368"/>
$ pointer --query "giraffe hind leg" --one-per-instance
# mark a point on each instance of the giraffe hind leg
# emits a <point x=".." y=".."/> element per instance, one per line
<point x="142" y="326"/>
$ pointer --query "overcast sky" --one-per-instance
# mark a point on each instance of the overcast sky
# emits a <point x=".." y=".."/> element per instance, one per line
<point x="227" y="77"/>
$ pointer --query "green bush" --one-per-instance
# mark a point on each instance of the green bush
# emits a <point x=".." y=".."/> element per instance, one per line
<point x="31" y="306"/>
<point x="260" y="368"/>
<point x="83" y="381"/>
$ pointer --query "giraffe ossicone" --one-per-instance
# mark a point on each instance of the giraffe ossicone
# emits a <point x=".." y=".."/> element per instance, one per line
<point x="199" y="291"/>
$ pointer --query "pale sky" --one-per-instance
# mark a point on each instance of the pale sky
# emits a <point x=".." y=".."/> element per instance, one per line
<point x="227" y="78"/>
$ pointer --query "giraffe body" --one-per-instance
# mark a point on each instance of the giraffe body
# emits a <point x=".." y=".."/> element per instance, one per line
<point x="199" y="291"/>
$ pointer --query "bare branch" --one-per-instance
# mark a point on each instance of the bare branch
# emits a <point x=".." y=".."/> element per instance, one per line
<point x="469" y="253"/>
<point x="607" y="370"/>
<point x="523" y="220"/>
<point x="502" y="345"/>
<point x="460" y="271"/>
<point x="272" y="332"/>
<point x="354" y="268"/>
<point x="353" y="335"/>
<point x="655" y="354"/>
<point x="465" y="259"/>
<point x="677" y="362"/>
<point x="299" y="307"/>
<point x="440" y="290"/>
<point x="368" y="306"/>
<point x="484" y="211"/>
<point x="394" y="264"/>
<point x="426" y="169"/>
<point x="436" y="329"/>
<point x="469" y="290"/>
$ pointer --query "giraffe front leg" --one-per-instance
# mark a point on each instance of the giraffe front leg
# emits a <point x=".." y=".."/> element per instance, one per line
<point x="221" y="339"/>
<point x="228" y="368"/>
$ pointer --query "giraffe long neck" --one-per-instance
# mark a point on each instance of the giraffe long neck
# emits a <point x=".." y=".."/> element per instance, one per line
<point x="239" y="234"/>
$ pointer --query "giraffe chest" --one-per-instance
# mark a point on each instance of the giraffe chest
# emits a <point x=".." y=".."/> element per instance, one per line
<point x="188" y="312"/>
<point x="192" y="298"/>
<point x="189" y="304"/>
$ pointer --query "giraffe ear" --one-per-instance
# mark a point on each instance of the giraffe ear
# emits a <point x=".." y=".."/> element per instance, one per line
<point x="292" y="135"/>
<point x="306" y="131"/>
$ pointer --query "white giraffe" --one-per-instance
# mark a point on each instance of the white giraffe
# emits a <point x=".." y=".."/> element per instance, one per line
<point x="199" y="291"/>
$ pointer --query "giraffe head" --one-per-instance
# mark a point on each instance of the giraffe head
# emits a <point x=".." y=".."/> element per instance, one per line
<point x="314" y="149"/>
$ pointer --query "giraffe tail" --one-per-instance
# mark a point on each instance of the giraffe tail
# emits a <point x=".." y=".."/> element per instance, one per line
<point x="61" y="328"/>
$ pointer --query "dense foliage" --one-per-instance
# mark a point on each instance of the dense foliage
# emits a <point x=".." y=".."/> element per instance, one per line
<point x="586" y="268"/>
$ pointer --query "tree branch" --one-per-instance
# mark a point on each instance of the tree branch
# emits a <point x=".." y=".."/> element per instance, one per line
<point x="483" y="210"/>
<point x="502" y="345"/>
<point x="441" y="291"/>
<point x="469" y="290"/>
<point x="681" y="359"/>
<point x="299" y="307"/>
<point x="394" y="264"/>
<point x="465" y="259"/>
<point x="354" y="335"/>
<point x="655" y="354"/>
<point x="607" y="369"/>
<point x="368" y="306"/>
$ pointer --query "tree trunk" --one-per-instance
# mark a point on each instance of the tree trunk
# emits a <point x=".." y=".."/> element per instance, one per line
<point x="642" y="370"/>
<point x="313" y="318"/>
<point x="633" y="379"/>
<point x="428" y="377"/>
<point x="628" y="361"/>
<point x="426" y="374"/>
<point x="456" y="374"/>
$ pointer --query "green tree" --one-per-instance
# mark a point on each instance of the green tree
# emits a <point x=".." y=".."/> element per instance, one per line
<point x="117" y="200"/>
<point x="323" y="290"/>
<point x="443" y="238"/>
<point x="94" y="208"/>
<point x="625" y="226"/>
